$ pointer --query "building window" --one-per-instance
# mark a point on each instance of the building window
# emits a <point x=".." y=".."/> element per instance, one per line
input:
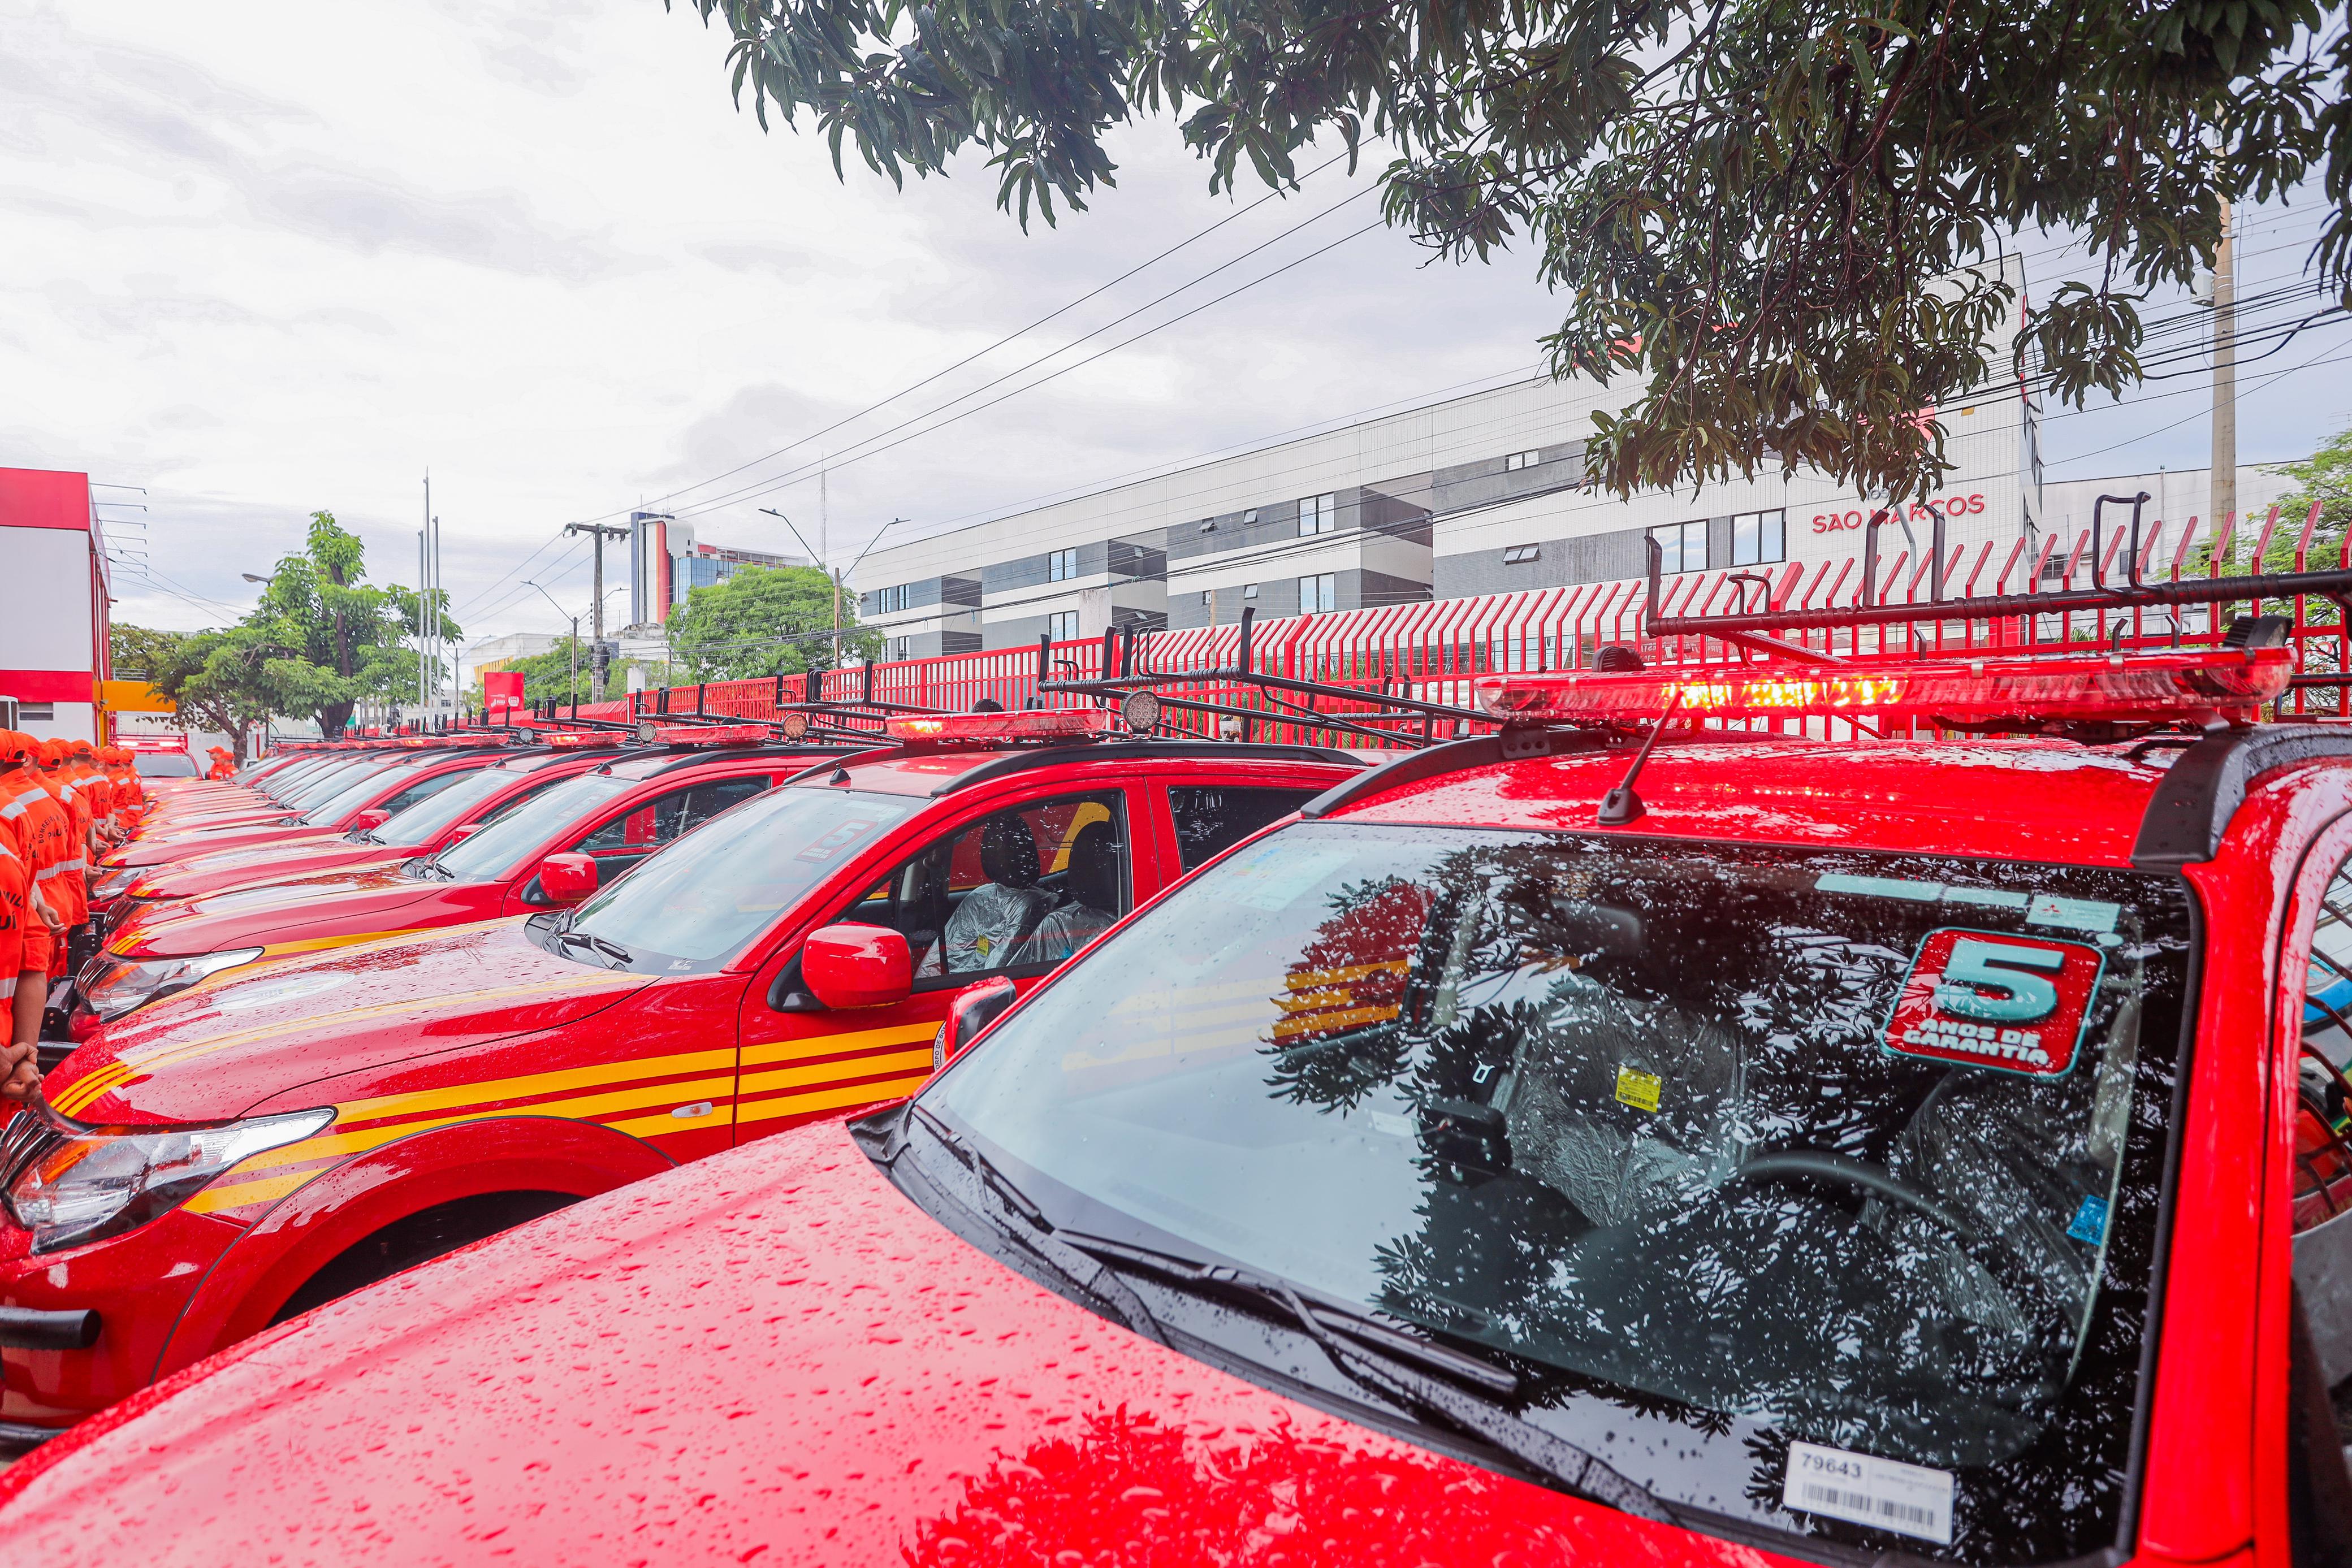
<point x="36" y="713"/>
<point x="894" y="600"/>
<point x="1249" y="591"/>
<point x="1061" y="565"/>
<point x="898" y="647"/>
<point x="1518" y="460"/>
<point x="1519" y="555"/>
<point x="1682" y="545"/>
<point x="1249" y="517"/>
<point x="1208" y="596"/>
<point x="1318" y="513"/>
<point x="1319" y="594"/>
<point x="1758" y="537"/>
<point x="1208" y="525"/>
<point x="1062" y="625"/>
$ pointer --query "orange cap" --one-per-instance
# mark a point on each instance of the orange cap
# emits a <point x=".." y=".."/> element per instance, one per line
<point x="52" y="752"/>
<point x="16" y="746"/>
<point x="82" y="749"/>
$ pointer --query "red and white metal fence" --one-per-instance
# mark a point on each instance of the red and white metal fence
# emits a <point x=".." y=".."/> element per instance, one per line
<point x="1433" y="651"/>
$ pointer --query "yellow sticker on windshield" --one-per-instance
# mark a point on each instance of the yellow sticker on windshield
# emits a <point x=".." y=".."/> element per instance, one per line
<point x="1638" y="1089"/>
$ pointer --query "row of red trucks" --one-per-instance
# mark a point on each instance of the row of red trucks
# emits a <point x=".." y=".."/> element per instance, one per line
<point x="1648" y="1129"/>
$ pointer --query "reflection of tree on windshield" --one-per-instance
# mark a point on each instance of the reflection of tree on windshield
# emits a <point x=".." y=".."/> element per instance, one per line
<point x="1660" y="1141"/>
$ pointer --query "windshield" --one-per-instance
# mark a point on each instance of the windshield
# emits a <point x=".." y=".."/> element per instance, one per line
<point x="429" y="817"/>
<point x="356" y="794"/>
<point x="695" y="904"/>
<point x="1765" y="1155"/>
<point x="499" y="850"/>
<point x="163" y="765"/>
<point x="278" y="786"/>
<point x="327" y="785"/>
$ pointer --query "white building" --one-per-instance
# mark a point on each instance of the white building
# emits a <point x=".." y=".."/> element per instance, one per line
<point x="1472" y="495"/>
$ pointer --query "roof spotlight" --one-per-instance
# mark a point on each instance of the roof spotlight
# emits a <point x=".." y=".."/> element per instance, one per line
<point x="795" y="726"/>
<point x="1140" y="712"/>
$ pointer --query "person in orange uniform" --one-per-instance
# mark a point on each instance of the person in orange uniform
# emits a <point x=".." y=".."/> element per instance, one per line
<point x="127" y="794"/>
<point x="20" y="1066"/>
<point x="223" y="762"/>
<point x="68" y="894"/>
<point x="39" y="833"/>
<point x="97" y="792"/>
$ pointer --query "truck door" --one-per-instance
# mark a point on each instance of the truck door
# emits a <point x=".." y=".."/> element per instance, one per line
<point x="1011" y="890"/>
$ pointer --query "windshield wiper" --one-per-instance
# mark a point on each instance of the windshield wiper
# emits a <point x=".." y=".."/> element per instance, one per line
<point x="1410" y="1371"/>
<point x="612" y="950"/>
<point x="1036" y="1236"/>
<point x="427" y="866"/>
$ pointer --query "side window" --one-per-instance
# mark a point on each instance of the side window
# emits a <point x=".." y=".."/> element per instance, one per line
<point x="1023" y="888"/>
<point x="1211" y="820"/>
<point x="2319" y="1357"/>
<point x="635" y="833"/>
<point x="2323" y="1146"/>
<point x="420" y="790"/>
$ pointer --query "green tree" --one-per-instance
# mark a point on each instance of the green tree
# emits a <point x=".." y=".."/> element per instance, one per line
<point x="211" y="676"/>
<point x="764" y="622"/>
<point x="1779" y="219"/>
<point x="2326" y="476"/>
<point x="323" y="639"/>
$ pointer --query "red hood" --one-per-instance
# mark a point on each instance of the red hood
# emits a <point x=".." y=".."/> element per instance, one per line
<point x="769" y="1356"/>
<point x="259" y="865"/>
<point x="227" y="1046"/>
<point x="350" y="901"/>
<point x="184" y="843"/>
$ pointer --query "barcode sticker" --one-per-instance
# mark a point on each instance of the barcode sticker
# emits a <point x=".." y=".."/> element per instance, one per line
<point x="1909" y="1500"/>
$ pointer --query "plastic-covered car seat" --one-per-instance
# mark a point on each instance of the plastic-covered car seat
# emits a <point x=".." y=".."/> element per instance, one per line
<point x="993" y="920"/>
<point x="1092" y="888"/>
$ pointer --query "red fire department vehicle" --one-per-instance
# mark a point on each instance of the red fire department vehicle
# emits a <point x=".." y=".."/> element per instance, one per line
<point x="370" y="792"/>
<point x="1609" y="1140"/>
<point x="386" y="1101"/>
<point x="555" y="849"/>
<point x="422" y="829"/>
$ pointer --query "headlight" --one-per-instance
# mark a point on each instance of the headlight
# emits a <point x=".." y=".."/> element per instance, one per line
<point x="114" y="986"/>
<point x="83" y="1189"/>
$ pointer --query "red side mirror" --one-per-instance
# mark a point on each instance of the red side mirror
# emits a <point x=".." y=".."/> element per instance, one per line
<point x="857" y="965"/>
<point x="567" y="878"/>
<point x="374" y="817"/>
<point x="974" y="1008"/>
<point x="460" y="835"/>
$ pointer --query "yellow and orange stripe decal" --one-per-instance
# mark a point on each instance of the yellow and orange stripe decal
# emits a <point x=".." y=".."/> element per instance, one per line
<point x="636" y="1097"/>
<point x="826" y="1072"/>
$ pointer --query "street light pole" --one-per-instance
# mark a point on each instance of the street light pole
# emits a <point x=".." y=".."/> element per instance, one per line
<point x="573" y="690"/>
<point x="598" y="534"/>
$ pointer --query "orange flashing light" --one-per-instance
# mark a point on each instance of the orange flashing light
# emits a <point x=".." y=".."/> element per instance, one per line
<point x="579" y="739"/>
<point x="2231" y="682"/>
<point x="1030" y="724"/>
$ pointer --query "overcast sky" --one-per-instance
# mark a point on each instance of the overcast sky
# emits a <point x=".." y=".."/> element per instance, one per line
<point x="267" y="258"/>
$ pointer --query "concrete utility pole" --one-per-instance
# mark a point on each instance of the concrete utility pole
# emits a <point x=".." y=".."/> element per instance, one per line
<point x="598" y="533"/>
<point x="2225" y="376"/>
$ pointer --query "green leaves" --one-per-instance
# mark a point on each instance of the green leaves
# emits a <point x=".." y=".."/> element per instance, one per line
<point x="1786" y="220"/>
<point x="765" y="622"/>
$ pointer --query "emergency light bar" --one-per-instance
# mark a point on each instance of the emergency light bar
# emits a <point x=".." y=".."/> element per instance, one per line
<point x="704" y="735"/>
<point x="1031" y="724"/>
<point x="577" y="740"/>
<point x="2229" y="682"/>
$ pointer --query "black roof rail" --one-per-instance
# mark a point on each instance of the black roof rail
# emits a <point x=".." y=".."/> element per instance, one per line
<point x="736" y="754"/>
<point x="1021" y="759"/>
<point x="2208" y="783"/>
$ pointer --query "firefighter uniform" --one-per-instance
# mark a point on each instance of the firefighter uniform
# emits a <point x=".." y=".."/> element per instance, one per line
<point x="41" y="832"/>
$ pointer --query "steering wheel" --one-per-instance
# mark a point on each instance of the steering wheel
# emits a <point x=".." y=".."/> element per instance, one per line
<point x="1821" y="1165"/>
